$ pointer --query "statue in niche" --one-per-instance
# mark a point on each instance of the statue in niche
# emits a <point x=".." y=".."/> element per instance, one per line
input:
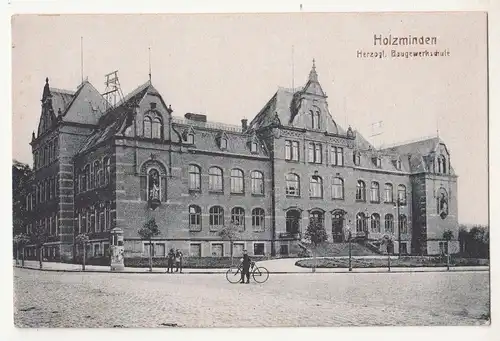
<point x="443" y="205"/>
<point x="154" y="185"/>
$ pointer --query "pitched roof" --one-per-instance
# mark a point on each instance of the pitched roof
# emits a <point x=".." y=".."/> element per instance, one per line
<point x="112" y="122"/>
<point x="86" y="105"/>
<point x="61" y="99"/>
<point x="423" y="146"/>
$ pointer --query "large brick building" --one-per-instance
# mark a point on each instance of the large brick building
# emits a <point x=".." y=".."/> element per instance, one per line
<point x="98" y="167"/>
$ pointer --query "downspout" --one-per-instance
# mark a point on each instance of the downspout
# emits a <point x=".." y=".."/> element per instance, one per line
<point x="170" y="141"/>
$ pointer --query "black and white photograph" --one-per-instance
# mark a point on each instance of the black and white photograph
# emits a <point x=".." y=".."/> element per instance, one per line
<point x="298" y="169"/>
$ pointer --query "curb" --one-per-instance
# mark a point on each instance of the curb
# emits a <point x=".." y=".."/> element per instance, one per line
<point x="393" y="270"/>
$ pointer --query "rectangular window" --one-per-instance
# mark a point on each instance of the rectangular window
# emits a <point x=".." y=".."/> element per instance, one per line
<point x="159" y="250"/>
<point x="238" y="249"/>
<point x="284" y="250"/>
<point x="337" y="156"/>
<point x="102" y="222"/>
<point x="291" y="150"/>
<point x="258" y="249"/>
<point x="404" y="249"/>
<point x="97" y="250"/>
<point x="106" y="250"/>
<point x="217" y="250"/>
<point x="295" y="151"/>
<point x="315" y="153"/>
<point x="195" y="250"/>
<point x="147" y="249"/>
<point x="288" y="150"/>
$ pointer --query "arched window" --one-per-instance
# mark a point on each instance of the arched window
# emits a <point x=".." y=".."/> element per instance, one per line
<point x="87" y="177"/>
<point x="375" y="223"/>
<point x="375" y="193"/>
<point x="314" y="119"/>
<point x="293" y="218"/>
<point x="317" y="216"/>
<point x="107" y="170"/>
<point x="157" y="128"/>
<point x="238" y="217"/>
<point x="154" y="184"/>
<point x="338" y="219"/>
<point x="361" y="222"/>
<point x="50" y="151"/>
<point x="253" y="147"/>
<point x="442" y="203"/>
<point x="194" y="218"/>
<point x="316" y="187"/>
<point x="388" y="192"/>
<point x="292" y="184"/>
<point x="54" y="149"/>
<point x="402" y="194"/>
<point x="147" y="126"/>
<point x="215" y="182"/>
<point x="398" y="164"/>
<point x="190" y="138"/>
<point x="97" y="174"/>
<point x="237" y="185"/>
<point x="360" y="191"/>
<point x="403" y="224"/>
<point x="216" y="217"/>
<point x="389" y="223"/>
<point x="83" y="181"/>
<point x="257" y="182"/>
<point x="194" y="178"/>
<point x="442" y="164"/>
<point x="223" y="143"/>
<point x="356" y="158"/>
<point x="258" y="215"/>
<point x="46" y="155"/>
<point x="338" y="188"/>
<point x="107" y="215"/>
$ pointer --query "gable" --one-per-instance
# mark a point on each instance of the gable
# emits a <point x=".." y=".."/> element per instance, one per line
<point x="87" y="107"/>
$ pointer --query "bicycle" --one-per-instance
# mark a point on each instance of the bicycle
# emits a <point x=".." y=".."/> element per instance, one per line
<point x="259" y="273"/>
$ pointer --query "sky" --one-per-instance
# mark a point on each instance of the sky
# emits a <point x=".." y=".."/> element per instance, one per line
<point x="228" y="66"/>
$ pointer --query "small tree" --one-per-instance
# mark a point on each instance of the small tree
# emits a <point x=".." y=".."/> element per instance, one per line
<point x="20" y="240"/>
<point x="39" y="237"/>
<point x="447" y="236"/>
<point x="147" y="232"/>
<point x="231" y="233"/>
<point x="82" y="239"/>
<point x="316" y="234"/>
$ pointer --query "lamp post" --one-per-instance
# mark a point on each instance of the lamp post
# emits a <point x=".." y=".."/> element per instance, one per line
<point x="349" y="235"/>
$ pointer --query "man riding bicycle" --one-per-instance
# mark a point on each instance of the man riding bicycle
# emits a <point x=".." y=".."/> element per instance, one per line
<point x="246" y="262"/>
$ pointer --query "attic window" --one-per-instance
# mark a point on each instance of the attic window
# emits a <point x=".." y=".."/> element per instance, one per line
<point x="377" y="161"/>
<point x="153" y="105"/>
<point x="356" y="158"/>
<point x="253" y="147"/>
<point x="398" y="164"/>
<point x="223" y="143"/>
<point x="190" y="138"/>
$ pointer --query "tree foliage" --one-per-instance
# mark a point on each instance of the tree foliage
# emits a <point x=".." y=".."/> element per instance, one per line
<point x="315" y="232"/>
<point x="448" y="235"/>
<point x="21" y="176"/>
<point x="474" y="241"/>
<point x="149" y="230"/>
<point x="230" y="232"/>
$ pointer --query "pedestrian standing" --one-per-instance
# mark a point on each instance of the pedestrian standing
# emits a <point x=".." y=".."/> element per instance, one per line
<point x="246" y="261"/>
<point x="170" y="261"/>
<point x="178" y="261"/>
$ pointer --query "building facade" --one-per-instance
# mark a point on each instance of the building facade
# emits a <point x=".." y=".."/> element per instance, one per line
<point x="99" y="167"/>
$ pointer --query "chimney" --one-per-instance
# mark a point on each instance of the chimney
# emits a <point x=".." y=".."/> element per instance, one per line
<point x="244" y="124"/>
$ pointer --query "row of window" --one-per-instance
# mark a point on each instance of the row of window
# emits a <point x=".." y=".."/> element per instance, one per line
<point x="314" y="154"/>
<point x="95" y="219"/>
<point x="216" y="218"/>
<point x="93" y="175"/>
<point x="45" y="154"/>
<point x="294" y="217"/>
<point x="195" y="249"/>
<point x="43" y="191"/>
<point x="316" y="189"/>
<point x="362" y="223"/>
<point x="48" y="224"/>
<point x="216" y="180"/>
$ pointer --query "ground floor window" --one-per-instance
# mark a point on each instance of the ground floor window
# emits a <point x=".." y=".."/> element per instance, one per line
<point x="238" y="249"/>
<point x="284" y="250"/>
<point x="97" y="250"/>
<point x="258" y="249"/>
<point x="195" y="250"/>
<point x="443" y="248"/>
<point x="159" y="250"/>
<point x="106" y="250"/>
<point x="217" y="250"/>
<point x="147" y="250"/>
<point x="404" y="248"/>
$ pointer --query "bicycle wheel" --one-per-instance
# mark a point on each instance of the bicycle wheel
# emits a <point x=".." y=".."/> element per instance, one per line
<point x="260" y="274"/>
<point x="233" y="275"/>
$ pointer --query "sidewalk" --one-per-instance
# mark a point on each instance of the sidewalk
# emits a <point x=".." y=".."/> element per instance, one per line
<point x="275" y="266"/>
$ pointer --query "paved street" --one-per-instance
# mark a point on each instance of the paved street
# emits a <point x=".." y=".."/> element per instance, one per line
<point x="58" y="299"/>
